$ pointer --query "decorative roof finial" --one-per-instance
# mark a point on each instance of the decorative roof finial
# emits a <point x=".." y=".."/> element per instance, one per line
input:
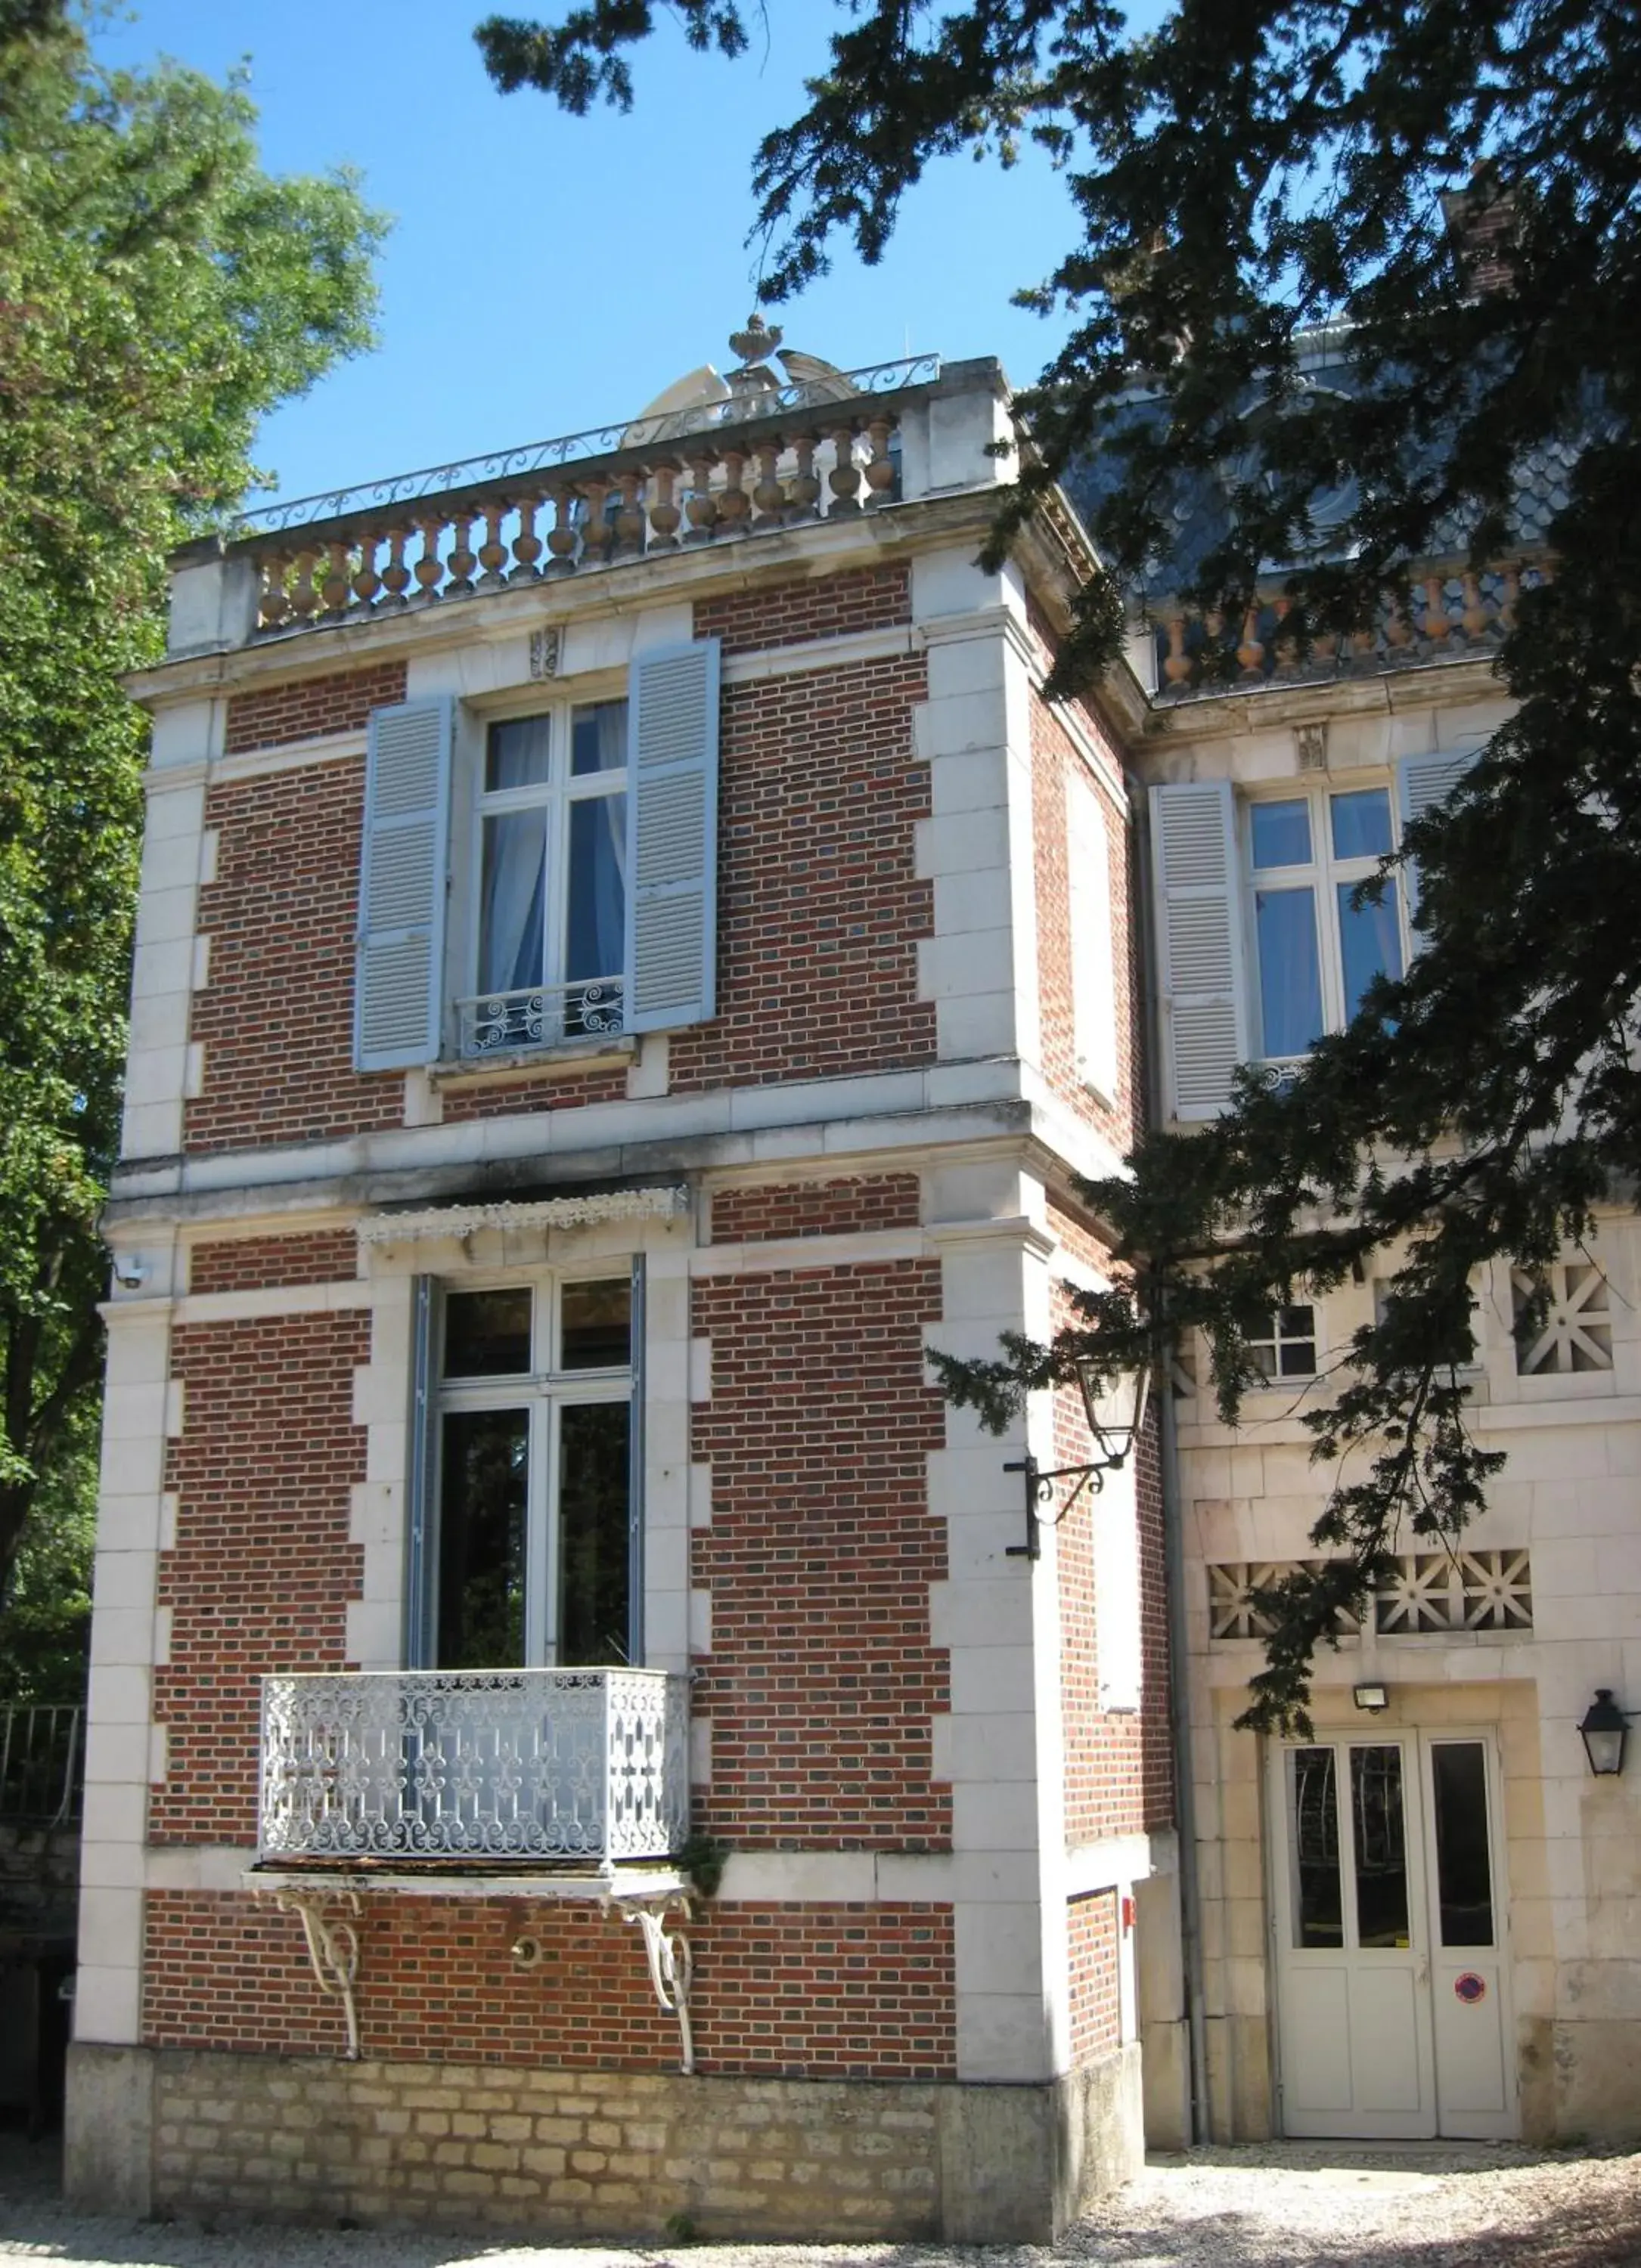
<point x="755" y="344"/>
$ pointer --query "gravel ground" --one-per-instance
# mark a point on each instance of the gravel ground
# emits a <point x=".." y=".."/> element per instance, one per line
<point x="1434" y="2206"/>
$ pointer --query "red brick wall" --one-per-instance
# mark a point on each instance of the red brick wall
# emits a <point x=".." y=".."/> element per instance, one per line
<point x="806" y="1990"/>
<point x="819" y="909"/>
<point x="251" y="1264"/>
<point x="810" y="606"/>
<point x="822" y="1681"/>
<point x="770" y="1210"/>
<point x="1119" y="1777"/>
<point x="1091" y="1925"/>
<point x="277" y="1018"/>
<point x="311" y="706"/>
<point x="261" y="1568"/>
<point x="566" y="1091"/>
<point x="1054" y="762"/>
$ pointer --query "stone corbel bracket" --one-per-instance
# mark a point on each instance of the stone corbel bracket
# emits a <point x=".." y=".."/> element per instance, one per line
<point x="333" y="1947"/>
<point x="670" y="1969"/>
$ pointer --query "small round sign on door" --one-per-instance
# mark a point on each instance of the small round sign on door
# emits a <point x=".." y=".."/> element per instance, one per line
<point x="1470" y="1988"/>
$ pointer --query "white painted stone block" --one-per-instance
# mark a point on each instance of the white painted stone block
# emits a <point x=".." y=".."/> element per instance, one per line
<point x="961" y="668"/>
<point x="107" y="2000"/>
<point x="122" y="1636"/>
<point x="1002" y="2037"/>
<point x="374" y="1634"/>
<point x="123" y="1580"/>
<point x="166" y="916"/>
<point x="951" y="583"/>
<point x="152" y="1129"/>
<point x="950" y="726"/>
<point x="961" y="843"/>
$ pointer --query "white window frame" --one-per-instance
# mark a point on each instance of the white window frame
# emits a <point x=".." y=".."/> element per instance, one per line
<point x="543" y="1391"/>
<point x="555" y="795"/>
<point x="1322" y="875"/>
<point x="1093" y="945"/>
<point x="1276" y="1339"/>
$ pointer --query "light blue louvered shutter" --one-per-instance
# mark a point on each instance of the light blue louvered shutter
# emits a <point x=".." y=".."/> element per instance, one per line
<point x="1199" y="956"/>
<point x="397" y="1004"/>
<point x="1422" y="783"/>
<point x="672" y="837"/>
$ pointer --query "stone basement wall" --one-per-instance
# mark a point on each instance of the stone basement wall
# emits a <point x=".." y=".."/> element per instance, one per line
<point x="594" y="2154"/>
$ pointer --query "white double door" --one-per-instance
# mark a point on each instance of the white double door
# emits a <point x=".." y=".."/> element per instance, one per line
<point x="1389" y="1921"/>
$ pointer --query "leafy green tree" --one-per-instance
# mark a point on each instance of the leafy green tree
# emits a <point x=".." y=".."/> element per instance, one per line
<point x="1451" y="193"/>
<point x="159" y="293"/>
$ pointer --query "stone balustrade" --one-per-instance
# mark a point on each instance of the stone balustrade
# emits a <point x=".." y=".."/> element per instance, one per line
<point x="1454" y="612"/>
<point x="739" y="471"/>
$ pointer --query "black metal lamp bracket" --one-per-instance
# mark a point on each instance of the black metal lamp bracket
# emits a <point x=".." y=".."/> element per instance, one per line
<point x="1040" y="1489"/>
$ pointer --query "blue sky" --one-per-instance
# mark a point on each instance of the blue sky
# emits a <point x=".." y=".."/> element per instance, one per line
<point x="545" y="273"/>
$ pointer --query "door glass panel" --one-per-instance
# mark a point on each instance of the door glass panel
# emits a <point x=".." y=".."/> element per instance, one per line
<point x="596" y="1325"/>
<point x="1381" y="1847"/>
<point x="1313" y="1835"/>
<point x="1290" y="974"/>
<point x="1369" y="941"/>
<point x="512" y="897"/>
<point x="1361" y="824"/>
<point x="595" y="945"/>
<point x="487" y="1333"/>
<point x="483" y="1495"/>
<point x="1464" y="1872"/>
<point x="593" y="1618"/>
<point x="518" y="753"/>
<point x="1281" y="833"/>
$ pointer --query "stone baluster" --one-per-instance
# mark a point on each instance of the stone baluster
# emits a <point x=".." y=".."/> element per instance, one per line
<point x="845" y="478"/>
<point x="274" y="606"/>
<point x="734" y="503"/>
<point x="1398" y="625"/>
<point x="1509" y="598"/>
<point x="665" y="515"/>
<point x="1476" y="618"/>
<point x="804" y="489"/>
<point x="596" y="533"/>
<point x="1177" y="664"/>
<point x="563" y="538"/>
<point x="880" y="471"/>
<point x="395" y="576"/>
<point x="429" y="568"/>
<point x="701" y="505"/>
<point x="526" y="545"/>
<point x="338" y="578"/>
<point x="462" y="559"/>
<point x="1435" y="622"/>
<point x="366" y="581"/>
<point x="629" y="521"/>
<point x="1251" y="652"/>
<point x="303" y="598"/>
<point x="1282" y="655"/>
<point x="769" y="496"/>
<point x="1325" y="651"/>
<point x="492" y="552"/>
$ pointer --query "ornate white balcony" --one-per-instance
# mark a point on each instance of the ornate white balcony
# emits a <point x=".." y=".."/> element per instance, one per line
<point x="475" y="1767"/>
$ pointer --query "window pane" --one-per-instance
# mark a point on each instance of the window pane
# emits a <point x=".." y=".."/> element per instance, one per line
<point x="594" y="1623"/>
<point x="518" y="753"/>
<point x="596" y="1325"/>
<point x="598" y="893"/>
<point x="1381" y="1849"/>
<point x="1291" y="980"/>
<point x="1369" y="942"/>
<point x="483" y="1487"/>
<point x="1464" y="1872"/>
<point x="1281" y="833"/>
<point x="598" y="738"/>
<point x="1361" y="824"/>
<point x="1313" y="1836"/>
<point x="512" y="894"/>
<point x="487" y="1333"/>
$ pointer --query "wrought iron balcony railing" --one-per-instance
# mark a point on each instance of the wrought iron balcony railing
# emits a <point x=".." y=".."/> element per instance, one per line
<point x="540" y="1016"/>
<point x="475" y="1765"/>
<point x="43" y="1764"/>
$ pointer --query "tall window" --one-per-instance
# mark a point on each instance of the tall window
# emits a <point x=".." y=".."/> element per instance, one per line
<point x="1318" y="951"/>
<point x="532" y="1562"/>
<point x="552" y="882"/>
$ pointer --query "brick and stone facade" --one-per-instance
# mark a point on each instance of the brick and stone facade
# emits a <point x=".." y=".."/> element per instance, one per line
<point x="916" y="2003"/>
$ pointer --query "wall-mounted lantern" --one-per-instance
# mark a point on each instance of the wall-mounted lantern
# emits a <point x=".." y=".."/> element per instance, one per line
<point x="1602" y="1729"/>
<point x="1116" y="1409"/>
